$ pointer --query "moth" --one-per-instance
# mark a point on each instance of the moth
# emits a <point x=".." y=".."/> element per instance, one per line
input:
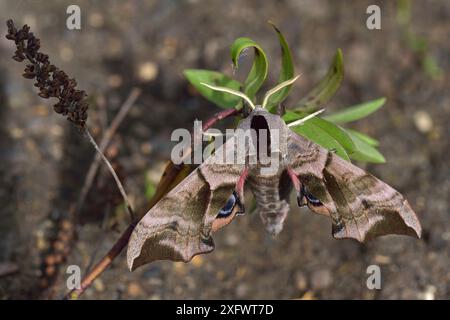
<point x="359" y="205"/>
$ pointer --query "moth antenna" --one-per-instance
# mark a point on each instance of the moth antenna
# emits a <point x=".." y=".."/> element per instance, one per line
<point x="231" y="91"/>
<point x="278" y="88"/>
<point x="303" y="120"/>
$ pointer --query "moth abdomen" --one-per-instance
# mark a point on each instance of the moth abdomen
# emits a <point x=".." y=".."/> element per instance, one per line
<point x="271" y="202"/>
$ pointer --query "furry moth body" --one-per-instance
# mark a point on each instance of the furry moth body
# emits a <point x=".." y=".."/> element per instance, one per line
<point x="360" y="206"/>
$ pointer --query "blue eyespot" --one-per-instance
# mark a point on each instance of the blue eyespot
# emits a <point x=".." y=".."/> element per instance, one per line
<point x="311" y="199"/>
<point x="228" y="207"/>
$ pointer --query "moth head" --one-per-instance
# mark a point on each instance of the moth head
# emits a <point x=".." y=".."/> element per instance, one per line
<point x="247" y="99"/>
<point x="266" y="98"/>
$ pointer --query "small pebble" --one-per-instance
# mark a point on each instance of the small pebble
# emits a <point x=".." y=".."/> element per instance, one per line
<point x="241" y="272"/>
<point x="380" y="259"/>
<point x="41" y="110"/>
<point x="423" y="121"/>
<point x="99" y="285"/>
<point x="66" y="53"/>
<point x="66" y="225"/>
<point x="96" y="20"/>
<point x="57" y="130"/>
<point x="179" y="267"/>
<point x="50" y="259"/>
<point x="115" y="81"/>
<point x="428" y="294"/>
<point x="148" y="71"/>
<point x="309" y="295"/>
<point x="146" y="148"/>
<point x="301" y="282"/>
<point x="220" y="275"/>
<point x="241" y="290"/>
<point x="50" y="271"/>
<point x="112" y="151"/>
<point x="16" y="133"/>
<point x="169" y="48"/>
<point x="321" y="279"/>
<point x="59" y="245"/>
<point x="232" y="239"/>
<point x="134" y="290"/>
<point x="197" y="261"/>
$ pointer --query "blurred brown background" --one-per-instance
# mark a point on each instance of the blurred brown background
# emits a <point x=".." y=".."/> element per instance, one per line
<point x="147" y="44"/>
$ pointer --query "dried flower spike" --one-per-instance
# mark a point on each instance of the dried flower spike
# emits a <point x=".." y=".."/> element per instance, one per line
<point x="51" y="81"/>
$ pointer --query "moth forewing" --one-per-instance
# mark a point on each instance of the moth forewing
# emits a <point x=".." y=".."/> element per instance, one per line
<point x="360" y="206"/>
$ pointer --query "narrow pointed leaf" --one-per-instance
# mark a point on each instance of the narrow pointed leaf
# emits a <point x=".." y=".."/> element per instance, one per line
<point x="223" y="100"/>
<point x="258" y="72"/>
<point x="315" y="133"/>
<point x="335" y="131"/>
<point x="365" y="152"/>
<point x="356" y="112"/>
<point x="367" y="139"/>
<point x="287" y="70"/>
<point x="326" y="88"/>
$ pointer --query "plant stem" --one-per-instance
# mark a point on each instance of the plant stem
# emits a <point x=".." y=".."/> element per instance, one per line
<point x="124" y="109"/>
<point x="101" y="266"/>
<point x="113" y="172"/>
<point x="121" y="243"/>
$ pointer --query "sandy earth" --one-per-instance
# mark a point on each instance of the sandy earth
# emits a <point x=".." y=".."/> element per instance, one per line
<point x="148" y="44"/>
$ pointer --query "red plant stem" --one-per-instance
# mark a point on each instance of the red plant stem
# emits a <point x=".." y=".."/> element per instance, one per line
<point x="104" y="263"/>
<point x="219" y="116"/>
<point x="121" y="243"/>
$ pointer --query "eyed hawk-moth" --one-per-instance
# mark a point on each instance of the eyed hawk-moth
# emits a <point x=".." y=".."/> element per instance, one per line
<point x="180" y="225"/>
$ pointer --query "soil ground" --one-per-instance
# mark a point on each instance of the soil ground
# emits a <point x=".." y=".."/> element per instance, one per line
<point x="148" y="44"/>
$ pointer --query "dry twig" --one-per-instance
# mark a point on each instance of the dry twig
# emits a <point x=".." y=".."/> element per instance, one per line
<point x="168" y="180"/>
<point x="124" y="109"/>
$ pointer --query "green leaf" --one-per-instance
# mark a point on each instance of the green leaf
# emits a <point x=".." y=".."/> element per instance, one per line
<point x="404" y="12"/>
<point x="326" y="88"/>
<point x="314" y="132"/>
<point x="431" y="67"/>
<point x="338" y="133"/>
<point x="364" y="151"/>
<point x="223" y="100"/>
<point x="369" y="140"/>
<point x="287" y="70"/>
<point x="258" y="72"/>
<point x="356" y="112"/>
<point x="150" y="188"/>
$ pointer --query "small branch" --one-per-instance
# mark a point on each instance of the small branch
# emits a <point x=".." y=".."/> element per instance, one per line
<point x="113" y="173"/>
<point x="120" y="116"/>
<point x="104" y="263"/>
<point x="219" y="116"/>
<point x="101" y="239"/>
<point x="121" y="243"/>
<point x="109" y="132"/>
